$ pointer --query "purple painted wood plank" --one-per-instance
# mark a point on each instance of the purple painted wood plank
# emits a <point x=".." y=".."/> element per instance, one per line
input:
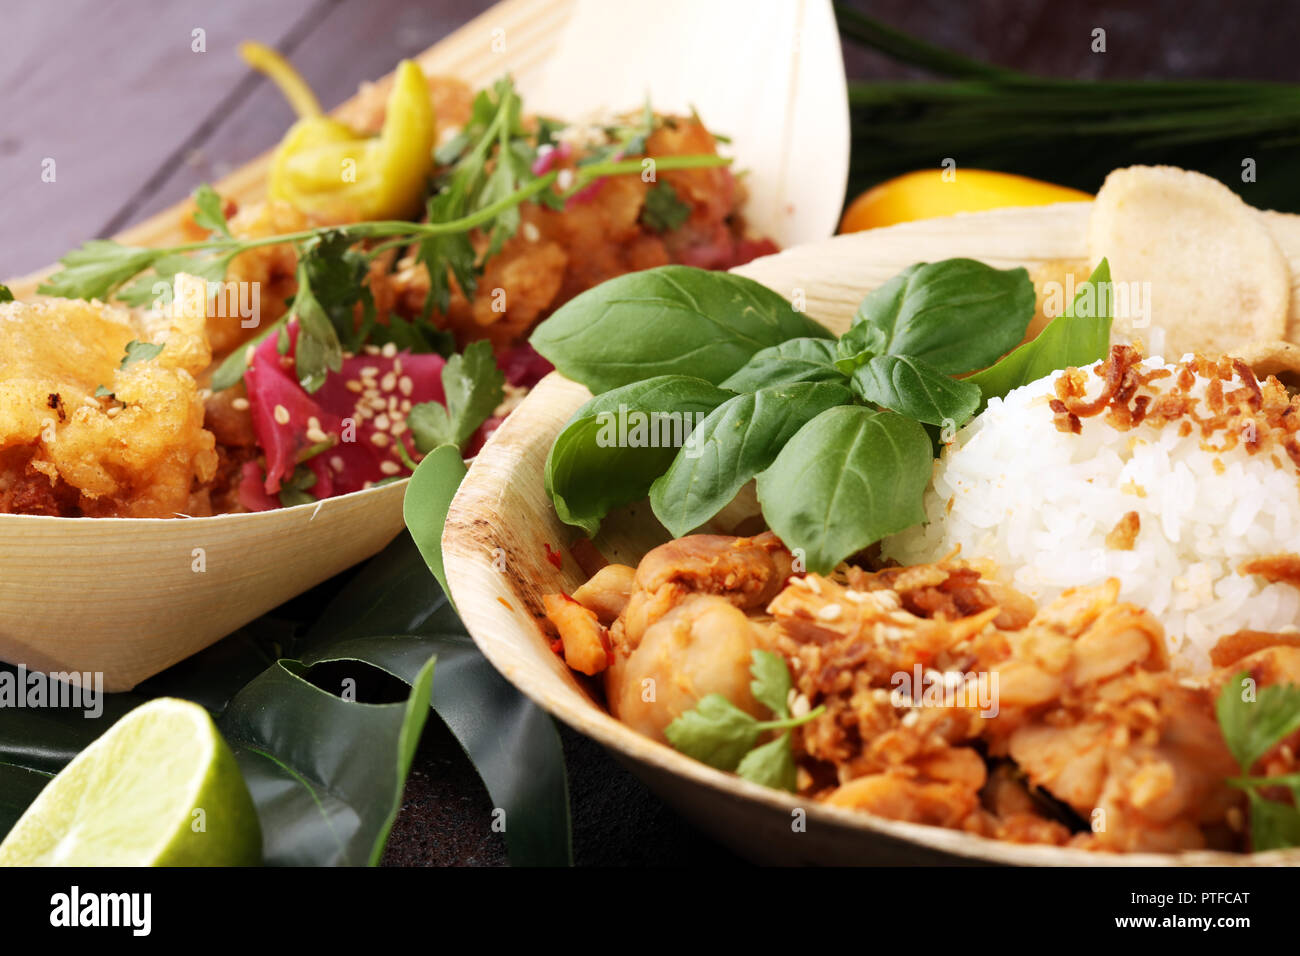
<point x="354" y="42"/>
<point x="108" y="90"/>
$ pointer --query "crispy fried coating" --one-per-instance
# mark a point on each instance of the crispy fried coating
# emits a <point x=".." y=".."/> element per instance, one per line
<point x="140" y="452"/>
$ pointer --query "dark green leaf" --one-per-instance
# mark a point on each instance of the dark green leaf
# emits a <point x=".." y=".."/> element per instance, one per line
<point x="738" y="439"/>
<point x="512" y="743"/>
<point x="715" y="732"/>
<point x="617" y="444"/>
<point x="1076" y="338"/>
<point x="795" y="360"/>
<point x="428" y="497"/>
<point x="957" y="315"/>
<point x="914" y="389"/>
<point x="848" y="478"/>
<point x="276" y="726"/>
<point x="670" y="320"/>
<point x="5" y="294"/>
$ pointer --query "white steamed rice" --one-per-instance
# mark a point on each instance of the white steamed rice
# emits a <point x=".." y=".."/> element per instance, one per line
<point x="1040" y="502"/>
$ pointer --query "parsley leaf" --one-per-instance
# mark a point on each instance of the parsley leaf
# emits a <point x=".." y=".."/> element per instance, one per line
<point x="97" y="269"/>
<point x="716" y="732"/>
<point x="771" y="683"/>
<point x="211" y="213"/>
<point x="772" y="764"/>
<point x="472" y="385"/>
<point x="663" y="210"/>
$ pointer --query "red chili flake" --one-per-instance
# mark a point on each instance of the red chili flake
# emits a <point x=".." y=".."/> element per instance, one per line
<point x="554" y="557"/>
<point x="505" y="603"/>
<point x="557" y="646"/>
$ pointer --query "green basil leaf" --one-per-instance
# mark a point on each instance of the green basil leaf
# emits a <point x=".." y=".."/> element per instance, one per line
<point x="670" y="320"/>
<point x="957" y="315"/>
<point x="916" y="390"/>
<point x="738" y="439"/>
<point x="617" y="444"/>
<point x="1077" y="337"/>
<point x="772" y="764"/>
<point x="795" y="360"/>
<point x="858" y="345"/>
<point x="715" y="732"/>
<point x="849" y="477"/>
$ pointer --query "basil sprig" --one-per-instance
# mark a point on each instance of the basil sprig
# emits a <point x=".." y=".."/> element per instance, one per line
<point x="833" y="429"/>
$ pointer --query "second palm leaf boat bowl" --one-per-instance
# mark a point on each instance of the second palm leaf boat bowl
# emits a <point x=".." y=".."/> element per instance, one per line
<point x="502" y="533"/>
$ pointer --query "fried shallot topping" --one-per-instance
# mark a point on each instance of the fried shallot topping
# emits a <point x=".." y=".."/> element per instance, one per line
<point x="1233" y="407"/>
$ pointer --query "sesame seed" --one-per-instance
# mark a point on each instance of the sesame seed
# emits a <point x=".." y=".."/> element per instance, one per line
<point x="405" y="385"/>
<point x="405" y="406"/>
<point x="389" y="350"/>
<point x="565" y="178"/>
<point x="353" y="385"/>
<point x="398" y="427"/>
<point x="369" y="371"/>
<point x="379" y="439"/>
<point x="813" y="585"/>
<point x="371" y="350"/>
<point x="336" y="463"/>
<point x="397" y="366"/>
<point x="531" y="232"/>
<point x="388" y="382"/>
<point x="389" y="467"/>
<point x="831" y="612"/>
<point x="281" y="414"/>
<point x="239" y="404"/>
<point x="382" y="422"/>
<point x="316" y="436"/>
<point x="113" y="411"/>
<point x="313" y="423"/>
<point x="378" y="404"/>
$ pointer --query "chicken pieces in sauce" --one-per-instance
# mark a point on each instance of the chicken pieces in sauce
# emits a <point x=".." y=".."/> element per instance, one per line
<point x="1063" y="724"/>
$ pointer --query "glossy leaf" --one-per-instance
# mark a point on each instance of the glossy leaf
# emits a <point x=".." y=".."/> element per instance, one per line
<point x="673" y="320"/>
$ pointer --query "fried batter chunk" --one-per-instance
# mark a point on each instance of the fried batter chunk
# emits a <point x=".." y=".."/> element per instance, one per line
<point x="138" y="449"/>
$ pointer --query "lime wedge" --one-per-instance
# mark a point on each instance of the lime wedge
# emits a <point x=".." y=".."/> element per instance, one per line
<point x="160" y="788"/>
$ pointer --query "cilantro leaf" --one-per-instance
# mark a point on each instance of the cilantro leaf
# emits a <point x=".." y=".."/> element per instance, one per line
<point x="772" y="764"/>
<point x="1251" y="728"/>
<point x="139" y="352"/>
<point x="663" y="210"/>
<point x="211" y="213"/>
<point x="719" y="733"/>
<point x="296" y="491"/>
<point x="771" y="683"/>
<point x="716" y="732"/>
<point x="5" y="294"/>
<point x="1273" y="825"/>
<point x="472" y="386"/>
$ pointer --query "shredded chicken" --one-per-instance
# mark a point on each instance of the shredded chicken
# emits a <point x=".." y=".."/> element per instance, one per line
<point x="949" y="699"/>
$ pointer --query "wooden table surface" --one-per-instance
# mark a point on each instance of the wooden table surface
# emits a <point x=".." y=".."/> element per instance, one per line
<point x="134" y="116"/>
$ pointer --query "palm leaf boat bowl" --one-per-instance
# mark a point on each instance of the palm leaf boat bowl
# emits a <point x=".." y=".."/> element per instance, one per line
<point x="129" y="597"/>
<point x="502" y="533"/>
